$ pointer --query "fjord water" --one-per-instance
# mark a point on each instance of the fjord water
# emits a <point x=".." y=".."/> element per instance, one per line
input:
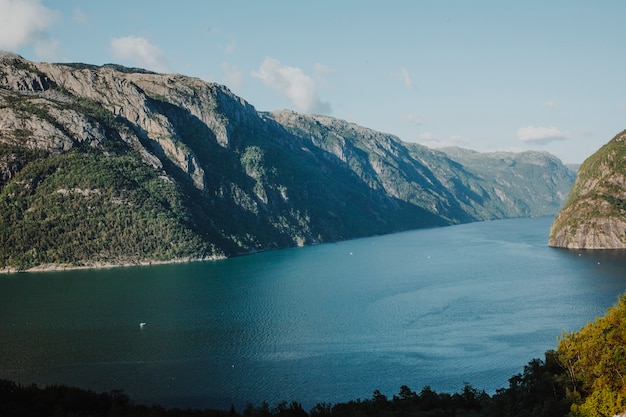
<point x="328" y="323"/>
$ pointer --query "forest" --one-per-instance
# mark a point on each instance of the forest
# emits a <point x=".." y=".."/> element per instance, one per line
<point x="77" y="206"/>
<point x="583" y="377"/>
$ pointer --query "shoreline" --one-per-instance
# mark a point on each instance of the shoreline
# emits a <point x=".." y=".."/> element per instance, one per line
<point x="105" y="265"/>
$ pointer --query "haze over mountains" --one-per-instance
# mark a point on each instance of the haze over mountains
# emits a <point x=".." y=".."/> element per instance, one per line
<point x="115" y="165"/>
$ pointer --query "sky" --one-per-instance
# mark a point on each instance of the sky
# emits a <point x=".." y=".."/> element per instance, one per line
<point x="485" y="75"/>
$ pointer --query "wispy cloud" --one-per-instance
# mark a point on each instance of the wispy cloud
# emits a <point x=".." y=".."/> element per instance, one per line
<point x="139" y="52"/>
<point x="432" y="141"/>
<point x="541" y="135"/>
<point x="427" y="137"/>
<point x="230" y="47"/>
<point x="323" y="69"/>
<point x="80" y="17"/>
<point x="407" y="78"/>
<point x="404" y="76"/>
<point x="25" y="22"/>
<point x="549" y="105"/>
<point x="299" y="88"/>
<point x="234" y="77"/>
<point x="413" y="119"/>
<point x="323" y="75"/>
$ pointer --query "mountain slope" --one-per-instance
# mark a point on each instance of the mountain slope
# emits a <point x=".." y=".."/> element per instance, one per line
<point x="459" y="184"/>
<point x="110" y="165"/>
<point x="594" y="361"/>
<point x="595" y="214"/>
<point x="521" y="184"/>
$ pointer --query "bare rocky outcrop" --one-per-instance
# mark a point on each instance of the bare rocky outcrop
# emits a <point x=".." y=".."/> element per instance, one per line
<point x="595" y="214"/>
<point x="121" y="94"/>
<point x="152" y="104"/>
<point x="597" y="233"/>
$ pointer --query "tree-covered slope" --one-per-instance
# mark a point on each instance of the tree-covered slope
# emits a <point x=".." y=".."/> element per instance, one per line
<point x="114" y="165"/>
<point x="90" y="209"/>
<point x="595" y="361"/>
<point x="594" y="216"/>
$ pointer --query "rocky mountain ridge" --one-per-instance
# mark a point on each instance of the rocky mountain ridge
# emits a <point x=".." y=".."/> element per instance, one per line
<point x="594" y="216"/>
<point x="115" y="165"/>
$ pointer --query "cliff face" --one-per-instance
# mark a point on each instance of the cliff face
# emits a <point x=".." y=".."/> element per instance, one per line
<point x="114" y="165"/>
<point x="459" y="184"/>
<point x="594" y="216"/>
<point x="523" y="184"/>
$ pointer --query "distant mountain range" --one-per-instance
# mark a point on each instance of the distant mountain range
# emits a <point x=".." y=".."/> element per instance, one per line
<point x="107" y="165"/>
<point x="595" y="214"/>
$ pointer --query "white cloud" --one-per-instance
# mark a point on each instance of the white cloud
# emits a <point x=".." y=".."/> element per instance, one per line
<point x="405" y="77"/>
<point x="24" y="22"/>
<point x="300" y="89"/>
<point x="140" y="52"/>
<point x="541" y="135"/>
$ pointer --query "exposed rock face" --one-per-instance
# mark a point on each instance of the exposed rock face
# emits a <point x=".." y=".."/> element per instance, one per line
<point x="457" y="184"/>
<point x="144" y="100"/>
<point x="521" y="184"/>
<point x="595" y="214"/>
<point x="218" y="173"/>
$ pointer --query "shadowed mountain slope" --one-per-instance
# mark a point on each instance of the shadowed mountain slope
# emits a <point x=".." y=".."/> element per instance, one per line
<point x="113" y="165"/>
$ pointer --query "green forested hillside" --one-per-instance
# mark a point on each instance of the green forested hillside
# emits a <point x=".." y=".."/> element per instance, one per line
<point x="595" y="361"/>
<point x="111" y="165"/>
<point x="594" y="216"/>
<point x="75" y="207"/>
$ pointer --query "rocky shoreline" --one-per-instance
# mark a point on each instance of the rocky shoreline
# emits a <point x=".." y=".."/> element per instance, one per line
<point x="106" y="265"/>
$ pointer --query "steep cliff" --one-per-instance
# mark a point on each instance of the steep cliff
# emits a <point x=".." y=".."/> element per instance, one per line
<point x="594" y="216"/>
<point x="113" y="165"/>
<point x="458" y="184"/>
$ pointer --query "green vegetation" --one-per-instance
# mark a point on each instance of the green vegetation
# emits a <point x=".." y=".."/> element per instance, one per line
<point x="194" y="171"/>
<point x="535" y="393"/>
<point x="606" y="162"/>
<point x="598" y="192"/>
<point x="74" y="207"/>
<point x="595" y="360"/>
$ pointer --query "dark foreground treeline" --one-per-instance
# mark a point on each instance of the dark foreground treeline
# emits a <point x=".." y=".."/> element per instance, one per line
<point x="539" y="391"/>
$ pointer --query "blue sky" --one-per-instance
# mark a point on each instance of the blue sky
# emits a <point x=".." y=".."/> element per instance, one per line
<point x="484" y="75"/>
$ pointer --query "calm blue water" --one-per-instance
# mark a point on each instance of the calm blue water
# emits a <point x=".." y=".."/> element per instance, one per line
<point x="440" y="307"/>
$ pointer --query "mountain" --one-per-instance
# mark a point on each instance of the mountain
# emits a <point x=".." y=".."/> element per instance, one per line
<point x="459" y="184"/>
<point x="521" y="184"/>
<point x="104" y="165"/>
<point x="594" y="216"/>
